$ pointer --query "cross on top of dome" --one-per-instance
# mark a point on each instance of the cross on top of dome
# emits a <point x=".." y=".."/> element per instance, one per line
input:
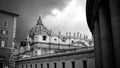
<point x="39" y="21"/>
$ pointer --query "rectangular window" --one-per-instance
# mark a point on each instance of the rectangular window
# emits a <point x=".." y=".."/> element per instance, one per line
<point x="22" y="66"/>
<point x="63" y="39"/>
<point x="5" y="23"/>
<point x="63" y="64"/>
<point x="84" y="64"/>
<point x="55" y="40"/>
<point x="35" y="65"/>
<point x="41" y="65"/>
<point x="31" y="66"/>
<point x="44" y="38"/>
<point x="3" y="43"/>
<point x="55" y="65"/>
<point x="47" y="65"/>
<point x="73" y="64"/>
<point x="4" y="32"/>
<point x="26" y="66"/>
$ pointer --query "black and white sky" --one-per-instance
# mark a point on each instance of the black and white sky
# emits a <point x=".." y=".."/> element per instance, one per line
<point x="57" y="15"/>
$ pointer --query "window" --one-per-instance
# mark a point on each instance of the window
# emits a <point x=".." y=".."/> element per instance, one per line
<point x="22" y="66"/>
<point x="44" y="38"/>
<point x="31" y="66"/>
<point x="63" y="64"/>
<point x="84" y="64"/>
<point x="72" y="41"/>
<point x="55" y="65"/>
<point x="47" y="65"/>
<point x="73" y="64"/>
<point x="41" y="65"/>
<point x="4" y="32"/>
<point x="63" y="40"/>
<point x="35" y="65"/>
<point x="36" y="53"/>
<point x="55" y="39"/>
<point x="45" y="31"/>
<point x="5" y="23"/>
<point x="26" y="66"/>
<point x="2" y="43"/>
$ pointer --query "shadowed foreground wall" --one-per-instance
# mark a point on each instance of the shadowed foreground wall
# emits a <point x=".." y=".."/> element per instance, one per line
<point x="103" y="18"/>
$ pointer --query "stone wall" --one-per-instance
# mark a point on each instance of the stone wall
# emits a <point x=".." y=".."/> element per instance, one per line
<point x="80" y="59"/>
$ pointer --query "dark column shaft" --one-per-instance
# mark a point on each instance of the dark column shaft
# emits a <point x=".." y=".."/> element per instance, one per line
<point x="98" y="54"/>
<point x="115" y="22"/>
<point x="106" y="38"/>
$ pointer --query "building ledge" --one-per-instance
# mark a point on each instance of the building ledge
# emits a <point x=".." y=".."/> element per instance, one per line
<point x="9" y="13"/>
<point x="88" y="50"/>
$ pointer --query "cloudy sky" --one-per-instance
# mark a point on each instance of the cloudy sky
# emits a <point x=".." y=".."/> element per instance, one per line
<point x="58" y="15"/>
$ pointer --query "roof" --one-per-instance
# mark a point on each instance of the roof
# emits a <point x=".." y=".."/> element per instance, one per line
<point x="9" y="13"/>
<point x="39" y="28"/>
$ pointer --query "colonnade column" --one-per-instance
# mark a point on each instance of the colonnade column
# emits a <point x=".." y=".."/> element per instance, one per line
<point x="106" y="36"/>
<point x="115" y="24"/>
<point x="98" y="54"/>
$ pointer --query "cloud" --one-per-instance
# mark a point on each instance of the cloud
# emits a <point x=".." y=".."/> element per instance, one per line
<point x="71" y="19"/>
<point x="29" y="10"/>
<point x="54" y="13"/>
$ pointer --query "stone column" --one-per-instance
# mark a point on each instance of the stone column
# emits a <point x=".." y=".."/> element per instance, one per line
<point x="106" y="36"/>
<point x="98" y="51"/>
<point x="115" y="24"/>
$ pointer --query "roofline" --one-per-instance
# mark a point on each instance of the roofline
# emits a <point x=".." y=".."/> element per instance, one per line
<point x="9" y="13"/>
<point x="57" y="55"/>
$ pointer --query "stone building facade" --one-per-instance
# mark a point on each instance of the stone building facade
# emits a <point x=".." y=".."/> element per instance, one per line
<point x="7" y="36"/>
<point x="41" y="48"/>
<point x="69" y="59"/>
<point x="41" y="40"/>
